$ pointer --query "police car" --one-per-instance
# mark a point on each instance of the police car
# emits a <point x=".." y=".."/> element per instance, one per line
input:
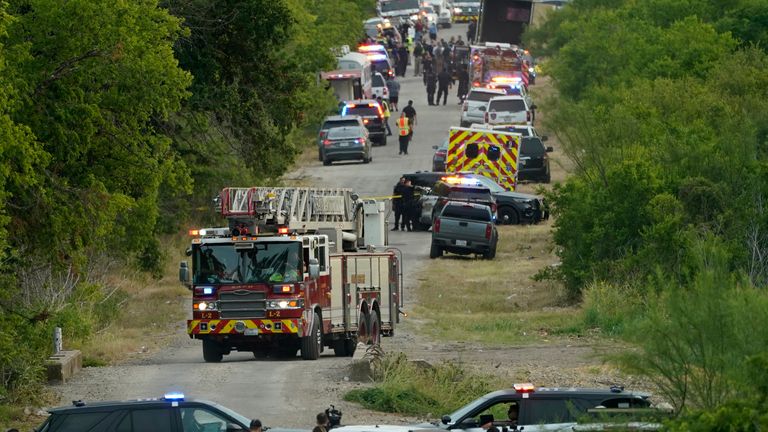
<point x="537" y="409"/>
<point x="171" y="413"/>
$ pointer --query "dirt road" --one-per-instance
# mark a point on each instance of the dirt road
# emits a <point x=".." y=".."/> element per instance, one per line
<point x="290" y="393"/>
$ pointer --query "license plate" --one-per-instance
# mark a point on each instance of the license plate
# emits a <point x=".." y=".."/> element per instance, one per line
<point x="461" y="242"/>
<point x="251" y="332"/>
<point x="344" y="144"/>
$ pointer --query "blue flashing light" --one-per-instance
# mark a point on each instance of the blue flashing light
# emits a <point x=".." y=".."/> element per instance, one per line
<point x="377" y="57"/>
<point x="207" y="290"/>
<point x="174" y="396"/>
<point x="344" y="110"/>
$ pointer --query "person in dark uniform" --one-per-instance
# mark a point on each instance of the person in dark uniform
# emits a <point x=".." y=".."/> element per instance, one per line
<point x="444" y="82"/>
<point x="408" y="198"/>
<point x="431" y="80"/>
<point x="463" y="84"/>
<point x="322" y="423"/>
<point x="255" y="426"/>
<point x="397" y="204"/>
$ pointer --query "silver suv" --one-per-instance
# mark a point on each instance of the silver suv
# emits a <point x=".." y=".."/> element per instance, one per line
<point x="476" y="103"/>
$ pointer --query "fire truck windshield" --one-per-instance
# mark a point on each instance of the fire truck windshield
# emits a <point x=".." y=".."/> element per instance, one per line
<point x="222" y="263"/>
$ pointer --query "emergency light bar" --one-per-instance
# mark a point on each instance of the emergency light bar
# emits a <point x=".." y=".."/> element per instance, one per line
<point x="174" y="396"/>
<point x="524" y="388"/>
<point x="377" y="56"/>
<point x="370" y="48"/>
<point x="506" y="79"/>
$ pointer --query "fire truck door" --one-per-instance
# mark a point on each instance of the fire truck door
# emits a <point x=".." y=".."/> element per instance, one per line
<point x="339" y="306"/>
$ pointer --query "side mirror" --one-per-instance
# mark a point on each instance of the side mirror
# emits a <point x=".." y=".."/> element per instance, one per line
<point x="446" y="419"/>
<point x="544" y="138"/>
<point x="550" y="149"/>
<point x="314" y="268"/>
<point x="482" y="108"/>
<point x="184" y="274"/>
<point x="231" y="427"/>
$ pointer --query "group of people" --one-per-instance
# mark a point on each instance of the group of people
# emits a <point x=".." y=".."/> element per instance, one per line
<point x="438" y="76"/>
<point x="323" y="424"/>
<point x="405" y="206"/>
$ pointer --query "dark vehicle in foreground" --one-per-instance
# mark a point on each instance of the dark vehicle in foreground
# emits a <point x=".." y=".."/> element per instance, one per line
<point x="347" y="143"/>
<point x="511" y="207"/>
<point x="538" y="409"/>
<point x="172" y="413"/>
<point x="373" y="117"/>
<point x="332" y="122"/>
<point x="464" y="228"/>
<point x="533" y="163"/>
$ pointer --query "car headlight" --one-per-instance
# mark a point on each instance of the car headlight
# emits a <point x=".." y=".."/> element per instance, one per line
<point x="457" y="10"/>
<point x="207" y="306"/>
<point x="285" y="304"/>
<point x="531" y="70"/>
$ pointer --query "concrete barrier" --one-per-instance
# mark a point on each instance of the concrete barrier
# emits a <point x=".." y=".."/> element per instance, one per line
<point x="64" y="365"/>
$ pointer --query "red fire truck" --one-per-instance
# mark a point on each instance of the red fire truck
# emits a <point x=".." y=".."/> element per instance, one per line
<point x="276" y="280"/>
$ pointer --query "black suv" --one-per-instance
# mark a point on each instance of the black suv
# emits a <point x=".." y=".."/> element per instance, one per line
<point x="168" y="414"/>
<point x="534" y="162"/>
<point x="511" y="207"/>
<point x="373" y="117"/>
<point x="331" y="122"/>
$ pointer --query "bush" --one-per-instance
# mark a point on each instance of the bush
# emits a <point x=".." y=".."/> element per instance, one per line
<point x="611" y="308"/>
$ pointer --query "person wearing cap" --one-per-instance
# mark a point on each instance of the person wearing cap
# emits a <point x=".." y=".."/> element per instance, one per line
<point x="255" y="426"/>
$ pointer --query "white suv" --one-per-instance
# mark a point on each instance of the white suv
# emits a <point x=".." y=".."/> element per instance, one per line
<point x="476" y="103"/>
<point x="508" y="110"/>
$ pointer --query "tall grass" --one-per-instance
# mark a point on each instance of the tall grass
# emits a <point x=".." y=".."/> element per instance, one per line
<point x="417" y="389"/>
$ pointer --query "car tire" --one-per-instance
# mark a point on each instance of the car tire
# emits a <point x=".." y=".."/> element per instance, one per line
<point x="491" y="254"/>
<point x="363" y="333"/>
<point x="508" y="216"/>
<point x="326" y="162"/>
<point x="212" y="351"/>
<point x="383" y="140"/>
<point x="435" y="251"/>
<point x="375" y="329"/>
<point x="312" y="344"/>
<point x="367" y="160"/>
<point x="320" y="154"/>
<point x="464" y="124"/>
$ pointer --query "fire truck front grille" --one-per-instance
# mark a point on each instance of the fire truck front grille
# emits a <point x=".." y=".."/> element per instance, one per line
<point x="242" y="304"/>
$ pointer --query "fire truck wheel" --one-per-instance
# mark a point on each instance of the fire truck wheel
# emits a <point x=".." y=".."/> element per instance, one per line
<point x="508" y="216"/>
<point x="311" y="344"/>
<point x="375" y="327"/>
<point x="212" y="352"/>
<point x="362" y="328"/>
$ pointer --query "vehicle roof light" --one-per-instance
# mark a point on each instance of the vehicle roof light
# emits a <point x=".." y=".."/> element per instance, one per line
<point x="282" y="230"/>
<point x="174" y="396"/>
<point x="377" y="57"/>
<point x="524" y="388"/>
<point x="369" y="48"/>
<point x="194" y="232"/>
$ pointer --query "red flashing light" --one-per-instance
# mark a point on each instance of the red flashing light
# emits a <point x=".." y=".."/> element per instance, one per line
<point x="326" y="142"/>
<point x="524" y="388"/>
<point x="436" y="226"/>
<point x="282" y="230"/>
<point x="194" y="232"/>
<point x="360" y="141"/>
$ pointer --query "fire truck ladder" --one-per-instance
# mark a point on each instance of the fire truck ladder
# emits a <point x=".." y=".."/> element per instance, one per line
<point x="301" y="210"/>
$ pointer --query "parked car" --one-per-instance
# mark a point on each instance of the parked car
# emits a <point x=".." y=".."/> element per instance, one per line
<point x="347" y="143"/>
<point x="373" y="117"/>
<point x="509" y="110"/>
<point x="438" y="160"/>
<point x="172" y="413"/>
<point x="464" y="228"/>
<point x="475" y="104"/>
<point x="513" y="89"/>
<point x="332" y="122"/>
<point x="523" y="129"/>
<point x="380" y="86"/>
<point x="537" y="409"/>
<point x="533" y="162"/>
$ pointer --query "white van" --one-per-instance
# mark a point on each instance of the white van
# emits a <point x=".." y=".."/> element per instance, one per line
<point x="359" y="62"/>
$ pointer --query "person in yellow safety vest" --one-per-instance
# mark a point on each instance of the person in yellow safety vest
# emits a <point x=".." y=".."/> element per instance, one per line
<point x="385" y="107"/>
<point x="404" y="132"/>
<point x="409" y="47"/>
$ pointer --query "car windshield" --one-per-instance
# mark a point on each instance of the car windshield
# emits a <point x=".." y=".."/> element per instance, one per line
<point x="362" y="110"/>
<point x="507" y="105"/>
<point x="378" y="81"/>
<point x="255" y="262"/>
<point x="381" y="66"/>
<point x="532" y="146"/>
<point x="428" y="9"/>
<point x="467" y="409"/>
<point x="481" y="96"/>
<point x="344" y="133"/>
<point x="393" y="5"/>
<point x="459" y="211"/>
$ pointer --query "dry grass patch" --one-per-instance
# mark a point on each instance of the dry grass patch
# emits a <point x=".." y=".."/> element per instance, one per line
<point x="496" y="301"/>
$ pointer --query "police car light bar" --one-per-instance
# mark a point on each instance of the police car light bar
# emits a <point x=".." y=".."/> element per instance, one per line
<point x="174" y="396"/>
<point x="369" y="48"/>
<point x="524" y="388"/>
<point x="377" y="57"/>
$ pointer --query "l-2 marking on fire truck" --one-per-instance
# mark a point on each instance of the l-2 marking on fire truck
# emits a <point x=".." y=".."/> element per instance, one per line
<point x="493" y="154"/>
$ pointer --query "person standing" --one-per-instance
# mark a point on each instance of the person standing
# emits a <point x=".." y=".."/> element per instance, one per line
<point x="397" y="204"/>
<point x="444" y="82"/>
<point x="418" y="51"/>
<point x="463" y="84"/>
<point x="408" y="205"/>
<point x="322" y="423"/>
<point x="387" y="113"/>
<point x="394" y="91"/>
<point x="431" y="80"/>
<point x="402" y="60"/>
<point x="404" y="132"/>
<point x="410" y="112"/>
<point x="471" y="31"/>
<point x="433" y="31"/>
